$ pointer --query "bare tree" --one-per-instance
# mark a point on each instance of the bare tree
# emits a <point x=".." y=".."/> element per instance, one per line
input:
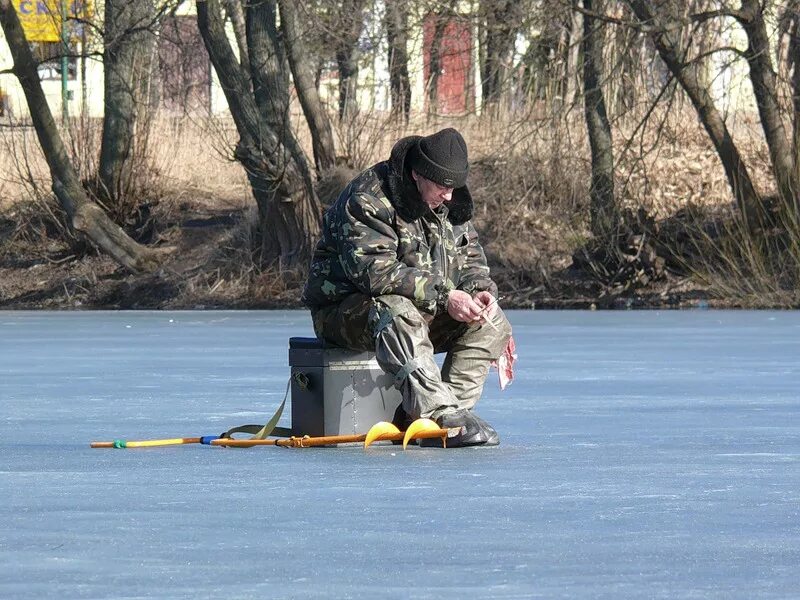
<point x="269" y="69"/>
<point x="84" y="215"/>
<point x="289" y="216"/>
<point x="763" y="78"/>
<point x="628" y="58"/>
<point x="664" y="26"/>
<point x="441" y="17"/>
<point x="235" y="13"/>
<point x="790" y="21"/>
<point x="350" y="25"/>
<point x="543" y="68"/>
<point x="502" y="20"/>
<point x="396" y="23"/>
<point x="604" y="213"/>
<point x="300" y="61"/>
<point x="128" y="51"/>
<point x="783" y="155"/>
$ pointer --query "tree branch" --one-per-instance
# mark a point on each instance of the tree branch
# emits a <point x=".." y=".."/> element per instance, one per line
<point x="598" y="16"/>
<point x="714" y="14"/>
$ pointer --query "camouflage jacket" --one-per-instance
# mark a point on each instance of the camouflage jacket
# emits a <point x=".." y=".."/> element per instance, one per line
<point x="379" y="238"/>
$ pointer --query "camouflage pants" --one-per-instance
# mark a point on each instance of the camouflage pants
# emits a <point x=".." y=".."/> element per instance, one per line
<point x="405" y="340"/>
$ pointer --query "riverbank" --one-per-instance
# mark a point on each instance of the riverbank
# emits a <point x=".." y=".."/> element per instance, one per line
<point x="210" y="268"/>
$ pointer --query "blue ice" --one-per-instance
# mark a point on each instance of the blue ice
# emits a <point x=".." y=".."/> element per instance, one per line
<point x="643" y="455"/>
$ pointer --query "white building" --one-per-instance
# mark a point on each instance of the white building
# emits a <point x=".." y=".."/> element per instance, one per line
<point x="186" y="80"/>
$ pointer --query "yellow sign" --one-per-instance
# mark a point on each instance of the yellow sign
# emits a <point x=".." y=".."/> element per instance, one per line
<point x="41" y="19"/>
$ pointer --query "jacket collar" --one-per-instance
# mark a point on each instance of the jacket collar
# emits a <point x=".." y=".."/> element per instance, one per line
<point x="404" y="196"/>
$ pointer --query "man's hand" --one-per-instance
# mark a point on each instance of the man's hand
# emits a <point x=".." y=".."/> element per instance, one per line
<point x="488" y="304"/>
<point x="463" y="308"/>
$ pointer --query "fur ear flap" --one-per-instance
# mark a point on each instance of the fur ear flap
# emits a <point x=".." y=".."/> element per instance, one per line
<point x="404" y="193"/>
<point x="460" y="207"/>
<point x="406" y="198"/>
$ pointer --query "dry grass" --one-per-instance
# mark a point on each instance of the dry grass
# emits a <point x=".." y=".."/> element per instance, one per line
<point x="182" y="157"/>
<point x="745" y="265"/>
<point x="529" y="179"/>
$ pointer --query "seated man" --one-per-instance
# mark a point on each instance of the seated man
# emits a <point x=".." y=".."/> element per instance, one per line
<point x="399" y="271"/>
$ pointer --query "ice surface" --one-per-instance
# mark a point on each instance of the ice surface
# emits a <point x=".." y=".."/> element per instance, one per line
<point x="644" y="454"/>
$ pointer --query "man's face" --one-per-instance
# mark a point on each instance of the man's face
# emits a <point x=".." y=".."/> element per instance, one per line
<point x="433" y="194"/>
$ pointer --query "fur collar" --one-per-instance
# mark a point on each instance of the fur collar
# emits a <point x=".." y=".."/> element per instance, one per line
<point x="403" y="194"/>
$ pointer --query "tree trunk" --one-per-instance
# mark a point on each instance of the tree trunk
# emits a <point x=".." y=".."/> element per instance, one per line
<point x="625" y="62"/>
<point x="441" y="19"/>
<point x="347" y="55"/>
<point x="235" y="12"/>
<point x="85" y="216"/>
<point x="396" y="21"/>
<point x="269" y="69"/>
<point x="127" y="62"/>
<point x="543" y="59"/>
<point x="502" y="19"/>
<point x="268" y="66"/>
<point x="571" y="57"/>
<point x="300" y="62"/>
<point x="763" y="78"/>
<point x="794" y="62"/>
<point x="604" y="214"/>
<point x="663" y="32"/>
<point x="289" y="217"/>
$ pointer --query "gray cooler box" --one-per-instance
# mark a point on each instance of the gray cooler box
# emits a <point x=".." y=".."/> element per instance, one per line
<point x="337" y="391"/>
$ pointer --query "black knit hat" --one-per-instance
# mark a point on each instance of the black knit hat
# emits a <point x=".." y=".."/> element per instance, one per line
<point x="441" y="157"/>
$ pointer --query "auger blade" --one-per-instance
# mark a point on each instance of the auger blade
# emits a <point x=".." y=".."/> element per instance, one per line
<point x="379" y="429"/>
<point x="418" y="426"/>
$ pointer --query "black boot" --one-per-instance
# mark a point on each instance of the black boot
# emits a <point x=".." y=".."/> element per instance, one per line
<point x="402" y="420"/>
<point x="472" y="431"/>
<point x="492" y="437"/>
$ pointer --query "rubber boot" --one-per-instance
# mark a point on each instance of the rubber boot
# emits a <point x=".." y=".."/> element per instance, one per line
<point x="402" y="420"/>
<point x="492" y="435"/>
<point x="472" y="431"/>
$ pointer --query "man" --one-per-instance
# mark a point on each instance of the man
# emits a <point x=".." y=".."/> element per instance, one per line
<point x="399" y="271"/>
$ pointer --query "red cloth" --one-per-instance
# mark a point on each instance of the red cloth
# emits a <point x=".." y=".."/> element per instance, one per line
<point x="505" y="364"/>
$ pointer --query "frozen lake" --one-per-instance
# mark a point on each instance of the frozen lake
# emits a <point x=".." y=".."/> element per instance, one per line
<point x="643" y="455"/>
